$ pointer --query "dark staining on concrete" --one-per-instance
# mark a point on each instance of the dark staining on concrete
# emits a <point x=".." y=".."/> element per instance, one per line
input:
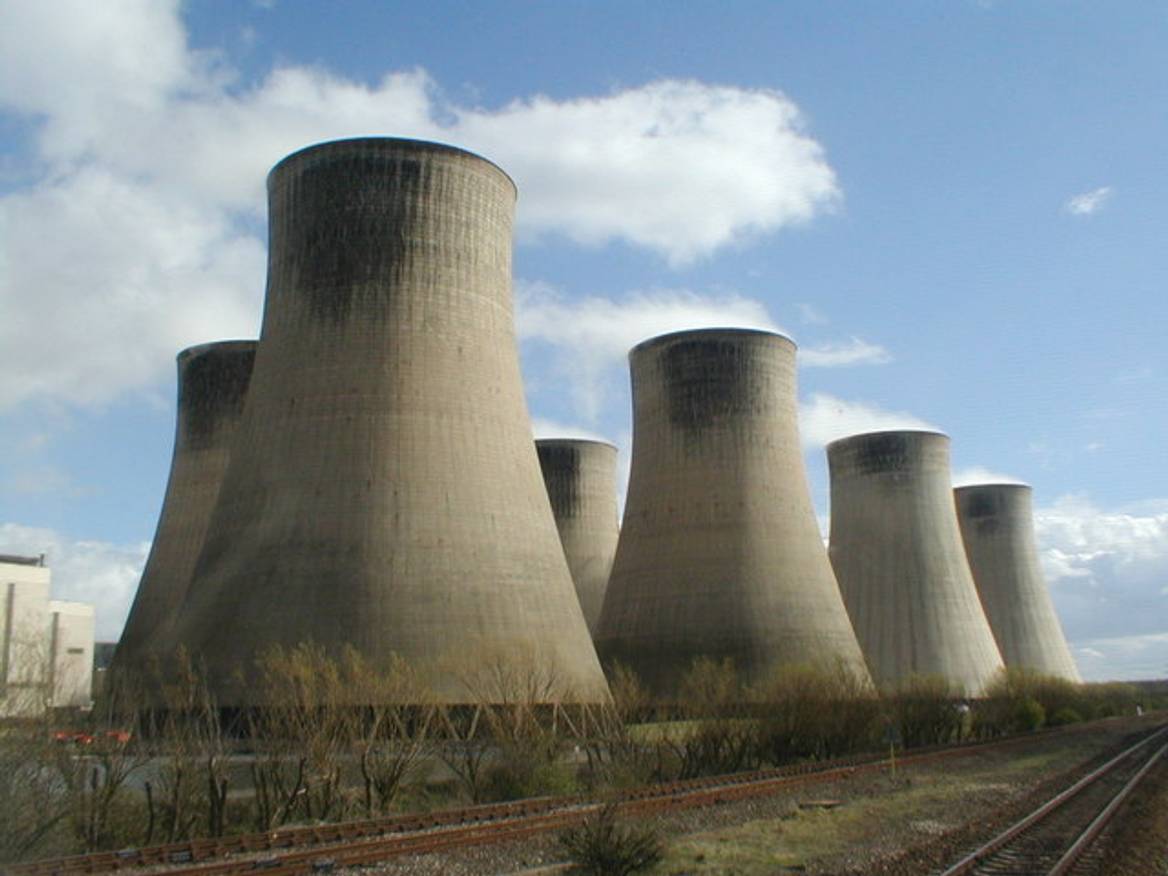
<point x="708" y="381"/>
<point x="561" y="472"/>
<point x="212" y="387"/>
<point x="980" y="504"/>
<point x="876" y="454"/>
<point x="347" y="226"/>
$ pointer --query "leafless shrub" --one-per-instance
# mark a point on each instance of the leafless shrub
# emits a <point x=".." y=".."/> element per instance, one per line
<point x="718" y="735"/>
<point x="815" y="711"/>
<point x="926" y="710"/>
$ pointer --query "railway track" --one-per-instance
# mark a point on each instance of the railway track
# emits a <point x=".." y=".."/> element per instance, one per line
<point x="326" y="847"/>
<point x="1057" y="838"/>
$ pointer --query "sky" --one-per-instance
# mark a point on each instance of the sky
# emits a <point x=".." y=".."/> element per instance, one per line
<point x="957" y="210"/>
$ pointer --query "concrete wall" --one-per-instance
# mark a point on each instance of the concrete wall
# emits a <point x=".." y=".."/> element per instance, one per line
<point x="581" y="482"/>
<point x="383" y="490"/>
<point x="212" y="385"/>
<point x="997" y="525"/>
<point x="897" y="552"/>
<point x="24" y="645"/>
<point x="71" y="637"/>
<point x="720" y="554"/>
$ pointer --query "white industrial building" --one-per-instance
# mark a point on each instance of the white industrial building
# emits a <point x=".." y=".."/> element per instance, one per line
<point x="46" y="646"/>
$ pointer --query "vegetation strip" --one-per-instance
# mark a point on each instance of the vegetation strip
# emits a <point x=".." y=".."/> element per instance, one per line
<point x="475" y="825"/>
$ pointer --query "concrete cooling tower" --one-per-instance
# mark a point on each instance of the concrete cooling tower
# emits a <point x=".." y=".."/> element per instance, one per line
<point x="581" y="482"/>
<point x="212" y="385"/>
<point x="897" y="552"/>
<point x="720" y="554"/>
<point x="997" y="524"/>
<point x="383" y="490"/>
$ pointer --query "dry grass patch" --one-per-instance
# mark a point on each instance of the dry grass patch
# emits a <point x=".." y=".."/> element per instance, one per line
<point x="920" y="802"/>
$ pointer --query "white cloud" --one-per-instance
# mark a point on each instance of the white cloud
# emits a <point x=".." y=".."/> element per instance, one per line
<point x="1086" y="203"/>
<point x="824" y="418"/>
<point x="135" y="230"/>
<point x="591" y="337"/>
<point x="852" y="352"/>
<point x="102" y="574"/>
<point x="965" y="477"/>
<point x="1107" y="570"/>
<point x="1126" y="658"/>
<point x="680" y="167"/>
<point x="810" y="315"/>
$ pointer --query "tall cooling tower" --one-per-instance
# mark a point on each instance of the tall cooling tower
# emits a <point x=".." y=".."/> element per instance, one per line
<point x="212" y="385"/>
<point x="997" y="524"/>
<point x="720" y="554"/>
<point x="581" y="483"/>
<point x="897" y="552"/>
<point x="383" y="490"/>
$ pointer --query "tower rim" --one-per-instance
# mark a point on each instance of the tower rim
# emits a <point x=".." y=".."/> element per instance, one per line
<point x="433" y="145"/>
<point x="709" y="331"/>
<point x="226" y="344"/>
<point x="564" y="441"/>
<point x="995" y="485"/>
<point x="838" y="442"/>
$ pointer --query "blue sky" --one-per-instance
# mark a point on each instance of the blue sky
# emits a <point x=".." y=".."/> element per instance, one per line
<point x="957" y="210"/>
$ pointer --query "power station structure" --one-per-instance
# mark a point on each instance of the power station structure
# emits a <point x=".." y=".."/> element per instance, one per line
<point x="720" y="554"/>
<point x="580" y="476"/>
<point x="383" y="489"/>
<point x="212" y="385"/>
<point x="997" y="525"/>
<point x="897" y="553"/>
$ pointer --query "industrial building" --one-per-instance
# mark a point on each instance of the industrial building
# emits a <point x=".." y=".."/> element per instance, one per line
<point x="580" y="476"/>
<point x="898" y="555"/>
<point x="212" y="385"/>
<point x="71" y="640"/>
<point x="383" y="489"/>
<point x="46" y="645"/>
<point x="720" y="554"/>
<point x="997" y="526"/>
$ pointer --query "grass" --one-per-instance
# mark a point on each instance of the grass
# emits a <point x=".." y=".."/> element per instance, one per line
<point x="801" y="837"/>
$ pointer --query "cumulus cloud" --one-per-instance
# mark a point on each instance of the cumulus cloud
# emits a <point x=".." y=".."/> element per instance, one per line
<point x="1086" y="203"/>
<point x="824" y="418"/>
<point x="1107" y="570"/>
<point x="102" y="574"/>
<point x="589" y="338"/>
<point x="133" y="229"/>
<point x="1126" y="658"/>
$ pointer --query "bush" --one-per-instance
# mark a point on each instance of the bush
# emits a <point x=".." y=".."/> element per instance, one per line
<point x="717" y="737"/>
<point x="925" y="709"/>
<point x="818" y="712"/>
<point x="1063" y="717"/>
<point x="603" y="846"/>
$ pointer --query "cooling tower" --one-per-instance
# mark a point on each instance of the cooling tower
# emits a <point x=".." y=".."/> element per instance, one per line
<point x="383" y="490"/>
<point x="212" y="384"/>
<point x="997" y="525"/>
<point x="720" y="554"/>
<point x="897" y="552"/>
<point x="581" y="482"/>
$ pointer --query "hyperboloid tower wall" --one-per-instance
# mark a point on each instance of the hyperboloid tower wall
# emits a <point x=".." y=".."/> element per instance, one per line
<point x="720" y="554"/>
<point x="384" y="490"/>
<point x="897" y="552"/>
<point x="581" y="482"/>
<point x="997" y="524"/>
<point x="212" y="385"/>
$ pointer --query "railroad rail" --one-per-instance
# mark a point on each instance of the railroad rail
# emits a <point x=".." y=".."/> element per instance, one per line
<point x="320" y="848"/>
<point x="1057" y="835"/>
